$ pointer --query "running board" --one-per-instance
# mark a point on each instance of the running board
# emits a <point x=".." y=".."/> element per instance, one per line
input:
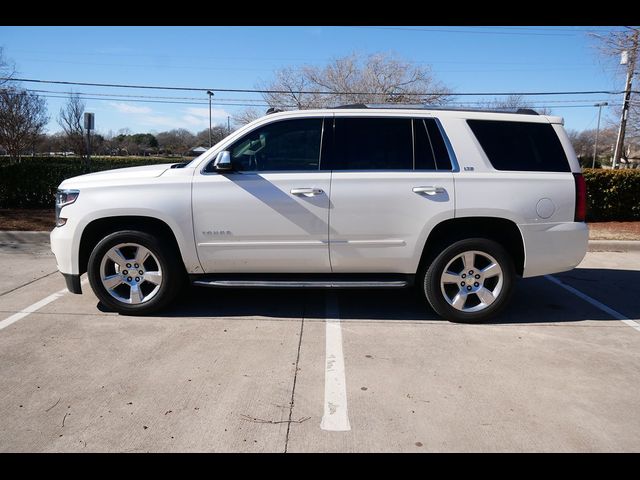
<point x="300" y="284"/>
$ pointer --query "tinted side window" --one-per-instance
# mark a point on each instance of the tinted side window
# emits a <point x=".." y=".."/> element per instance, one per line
<point x="422" y="148"/>
<point x="372" y="144"/>
<point x="530" y="147"/>
<point x="429" y="148"/>
<point x="284" y="145"/>
<point x="443" y="162"/>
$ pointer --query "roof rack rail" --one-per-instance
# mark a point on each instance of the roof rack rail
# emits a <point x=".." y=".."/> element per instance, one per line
<point x="353" y="105"/>
<point x="420" y="106"/>
<point x="527" y="111"/>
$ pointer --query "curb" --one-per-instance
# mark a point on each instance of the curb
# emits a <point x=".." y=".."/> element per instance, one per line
<point x="614" y="246"/>
<point x="24" y="237"/>
<point x="594" y="245"/>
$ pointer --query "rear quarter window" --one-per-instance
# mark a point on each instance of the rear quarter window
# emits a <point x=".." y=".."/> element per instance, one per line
<point x="524" y="146"/>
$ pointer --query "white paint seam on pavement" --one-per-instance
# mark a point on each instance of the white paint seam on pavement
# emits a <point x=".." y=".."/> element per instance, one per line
<point x="596" y="303"/>
<point x="34" y="307"/>
<point x="335" y="416"/>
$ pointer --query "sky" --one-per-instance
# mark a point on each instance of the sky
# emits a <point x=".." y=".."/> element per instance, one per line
<point x="464" y="59"/>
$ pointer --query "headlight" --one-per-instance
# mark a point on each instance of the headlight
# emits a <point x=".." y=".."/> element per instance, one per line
<point x="63" y="198"/>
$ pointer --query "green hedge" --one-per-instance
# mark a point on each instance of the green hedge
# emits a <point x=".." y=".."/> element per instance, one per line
<point x="612" y="194"/>
<point x="32" y="183"/>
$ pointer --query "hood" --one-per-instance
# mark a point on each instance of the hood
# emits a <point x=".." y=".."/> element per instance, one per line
<point x="117" y="176"/>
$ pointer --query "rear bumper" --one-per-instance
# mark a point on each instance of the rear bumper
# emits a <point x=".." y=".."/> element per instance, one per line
<point x="553" y="247"/>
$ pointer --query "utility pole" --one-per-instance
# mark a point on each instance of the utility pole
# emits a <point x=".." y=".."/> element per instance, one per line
<point x="210" y="93"/>
<point x="628" y="57"/>
<point x="595" y="147"/>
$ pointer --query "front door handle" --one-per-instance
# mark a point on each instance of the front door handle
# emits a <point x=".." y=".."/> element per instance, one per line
<point x="429" y="190"/>
<point x="307" y="192"/>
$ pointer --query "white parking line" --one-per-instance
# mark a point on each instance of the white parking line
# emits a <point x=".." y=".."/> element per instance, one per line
<point x="34" y="307"/>
<point x="596" y="303"/>
<point x="31" y="308"/>
<point x="335" y="416"/>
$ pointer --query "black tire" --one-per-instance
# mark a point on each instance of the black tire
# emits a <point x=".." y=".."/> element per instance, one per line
<point x="168" y="261"/>
<point x="433" y="289"/>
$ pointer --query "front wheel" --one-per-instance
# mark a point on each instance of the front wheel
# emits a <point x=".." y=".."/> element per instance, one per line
<point x="470" y="281"/>
<point x="134" y="273"/>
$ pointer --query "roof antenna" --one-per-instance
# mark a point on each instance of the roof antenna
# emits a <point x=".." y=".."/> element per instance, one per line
<point x="273" y="110"/>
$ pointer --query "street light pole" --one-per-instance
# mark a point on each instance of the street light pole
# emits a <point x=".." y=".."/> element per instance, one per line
<point x="595" y="147"/>
<point x="210" y="93"/>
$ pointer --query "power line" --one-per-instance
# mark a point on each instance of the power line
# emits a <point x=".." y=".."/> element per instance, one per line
<point x="451" y="30"/>
<point x="128" y="96"/>
<point x="311" y="92"/>
<point x="49" y="54"/>
<point x="261" y="102"/>
<point x="147" y="65"/>
<point x="547" y="29"/>
<point x="225" y="68"/>
<point x="285" y="106"/>
<point x="480" y="30"/>
<point x="163" y="102"/>
<point x="582" y="100"/>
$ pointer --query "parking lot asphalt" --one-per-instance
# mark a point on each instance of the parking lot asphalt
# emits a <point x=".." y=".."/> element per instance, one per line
<point x="257" y="370"/>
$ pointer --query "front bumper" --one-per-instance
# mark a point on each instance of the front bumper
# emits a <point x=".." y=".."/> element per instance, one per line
<point x="61" y="239"/>
<point x="62" y="246"/>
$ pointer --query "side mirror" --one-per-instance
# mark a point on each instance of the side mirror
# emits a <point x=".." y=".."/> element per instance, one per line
<point x="222" y="163"/>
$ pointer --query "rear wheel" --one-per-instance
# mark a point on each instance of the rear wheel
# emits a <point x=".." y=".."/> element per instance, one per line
<point x="134" y="273"/>
<point x="470" y="281"/>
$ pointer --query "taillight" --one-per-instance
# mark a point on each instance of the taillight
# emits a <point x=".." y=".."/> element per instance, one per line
<point x="581" y="198"/>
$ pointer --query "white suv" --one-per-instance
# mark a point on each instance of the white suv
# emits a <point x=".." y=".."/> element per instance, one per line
<point x="459" y="203"/>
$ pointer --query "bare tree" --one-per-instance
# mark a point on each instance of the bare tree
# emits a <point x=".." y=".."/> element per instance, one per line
<point x="247" y="115"/>
<point x="71" y="119"/>
<point x="515" y="102"/>
<point x="23" y="116"/>
<point x="611" y="46"/>
<point x="288" y="89"/>
<point x="583" y="143"/>
<point x="377" y="78"/>
<point x="218" y="132"/>
<point x="7" y="69"/>
<point x="511" y="102"/>
<point x="177" y="141"/>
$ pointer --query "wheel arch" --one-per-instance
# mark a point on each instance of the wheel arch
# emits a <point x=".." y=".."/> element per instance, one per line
<point x="501" y="230"/>
<point x="97" y="229"/>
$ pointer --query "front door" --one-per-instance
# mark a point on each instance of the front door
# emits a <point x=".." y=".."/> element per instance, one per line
<point x="271" y="214"/>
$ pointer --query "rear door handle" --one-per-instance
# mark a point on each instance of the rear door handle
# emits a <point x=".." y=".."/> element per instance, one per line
<point x="307" y="192"/>
<point x="429" y="190"/>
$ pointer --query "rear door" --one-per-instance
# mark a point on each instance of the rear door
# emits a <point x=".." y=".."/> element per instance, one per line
<point x="391" y="182"/>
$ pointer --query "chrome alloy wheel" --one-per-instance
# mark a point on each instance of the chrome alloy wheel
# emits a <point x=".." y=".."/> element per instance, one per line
<point x="130" y="273"/>
<point x="471" y="281"/>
